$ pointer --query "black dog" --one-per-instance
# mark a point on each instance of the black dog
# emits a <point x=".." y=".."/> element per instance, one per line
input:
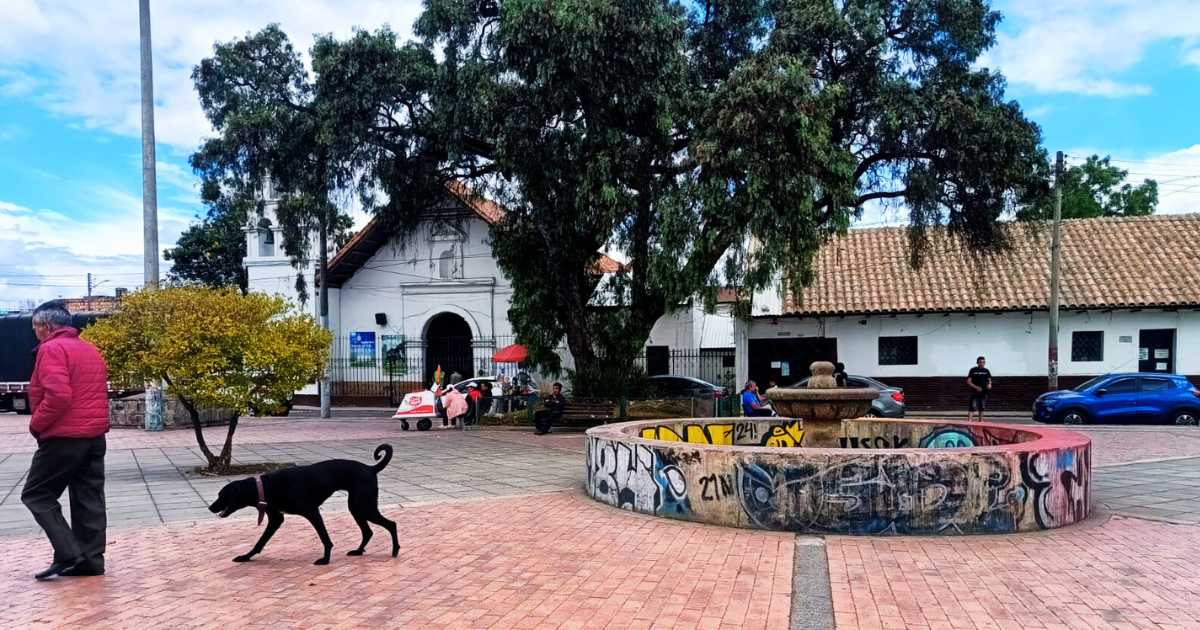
<point x="301" y="490"/>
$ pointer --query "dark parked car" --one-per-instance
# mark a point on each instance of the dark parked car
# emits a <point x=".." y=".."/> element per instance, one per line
<point x="668" y="386"/>
<point x="1128" y="398"/>
<point x="889" y="403"/>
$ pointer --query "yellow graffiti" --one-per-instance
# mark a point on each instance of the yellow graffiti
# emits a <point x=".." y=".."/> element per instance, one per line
<point x="720" y="434"/>
<point x="787" y="435"/>
<point x="667" y="434"/>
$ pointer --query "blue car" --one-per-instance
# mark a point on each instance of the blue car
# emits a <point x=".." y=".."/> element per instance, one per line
<point x="1124" y="398"/>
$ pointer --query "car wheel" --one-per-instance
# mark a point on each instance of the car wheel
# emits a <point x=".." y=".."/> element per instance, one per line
<point x="1073" y="416"/>
<point x="1185" y="418"/>
<point x="871" y="414"/>
<point x="404" y="425"/>
<point x="424" y="424"/>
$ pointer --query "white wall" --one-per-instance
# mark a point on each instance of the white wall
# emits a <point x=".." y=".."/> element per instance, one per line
<point x="1014" y="343"/>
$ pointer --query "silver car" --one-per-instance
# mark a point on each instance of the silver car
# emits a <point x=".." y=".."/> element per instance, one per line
<point x="889" y="403"/>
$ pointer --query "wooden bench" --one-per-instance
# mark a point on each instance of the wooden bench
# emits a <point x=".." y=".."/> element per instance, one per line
<point x="587" y="413"/>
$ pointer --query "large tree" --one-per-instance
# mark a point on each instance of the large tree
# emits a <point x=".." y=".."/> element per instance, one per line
<point x="705" y="141"/>
<point x="1096" y="188"/>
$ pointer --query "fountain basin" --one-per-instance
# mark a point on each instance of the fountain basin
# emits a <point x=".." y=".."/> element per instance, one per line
<point x="883" y="476"/>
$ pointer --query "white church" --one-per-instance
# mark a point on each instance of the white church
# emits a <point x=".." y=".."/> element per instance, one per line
<point x="404" y="305"/>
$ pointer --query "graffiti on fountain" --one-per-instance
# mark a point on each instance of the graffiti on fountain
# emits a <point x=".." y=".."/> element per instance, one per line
<point x="952" y="479"/>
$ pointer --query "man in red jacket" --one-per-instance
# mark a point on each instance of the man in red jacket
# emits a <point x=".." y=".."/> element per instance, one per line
<point x="68" y="395"/>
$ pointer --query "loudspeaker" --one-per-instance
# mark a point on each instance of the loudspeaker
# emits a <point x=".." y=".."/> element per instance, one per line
<point x="381" y="319"/>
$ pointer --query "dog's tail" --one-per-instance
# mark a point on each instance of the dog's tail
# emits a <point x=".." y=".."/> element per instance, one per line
<point x="383" y="455"/>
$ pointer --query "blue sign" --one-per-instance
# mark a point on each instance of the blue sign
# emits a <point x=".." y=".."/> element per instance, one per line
<point x="362" y="349"/>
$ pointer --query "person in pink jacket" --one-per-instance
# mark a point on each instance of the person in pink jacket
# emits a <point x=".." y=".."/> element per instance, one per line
<point x="68" y="396"/>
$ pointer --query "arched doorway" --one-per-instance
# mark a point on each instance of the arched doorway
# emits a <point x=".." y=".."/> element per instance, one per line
<point x="448" y="344"/>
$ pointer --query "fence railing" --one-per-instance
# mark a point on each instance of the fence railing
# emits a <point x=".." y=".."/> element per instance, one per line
<point x="385" y="366"/>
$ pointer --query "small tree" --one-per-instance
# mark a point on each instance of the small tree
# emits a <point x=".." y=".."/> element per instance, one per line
<point x="214" y="349"/>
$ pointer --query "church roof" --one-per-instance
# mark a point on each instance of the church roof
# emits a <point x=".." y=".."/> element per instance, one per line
<point x="350" y="258"/>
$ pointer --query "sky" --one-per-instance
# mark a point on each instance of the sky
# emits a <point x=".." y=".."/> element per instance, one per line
<point x="1113" y="77"/>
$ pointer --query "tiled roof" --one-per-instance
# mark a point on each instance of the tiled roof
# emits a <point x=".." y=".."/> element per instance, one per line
<point x="1106" y="263"/>
<point x="370" y="238"/>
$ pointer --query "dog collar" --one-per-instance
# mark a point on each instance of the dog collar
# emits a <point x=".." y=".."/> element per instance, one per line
<point x="262" y="498"/>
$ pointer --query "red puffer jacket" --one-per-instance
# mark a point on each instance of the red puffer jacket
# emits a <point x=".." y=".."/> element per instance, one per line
<point x="68" y="392"/>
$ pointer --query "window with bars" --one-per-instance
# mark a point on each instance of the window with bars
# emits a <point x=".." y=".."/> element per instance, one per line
<point x="898" y="350"/>
<point x="1087" y="345"/>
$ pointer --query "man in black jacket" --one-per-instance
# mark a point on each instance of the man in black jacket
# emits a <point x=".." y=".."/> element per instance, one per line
<point x="553" y="410"/>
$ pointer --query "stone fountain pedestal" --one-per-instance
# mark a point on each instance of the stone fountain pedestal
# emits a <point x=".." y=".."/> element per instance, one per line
<point x="822" y="405"/>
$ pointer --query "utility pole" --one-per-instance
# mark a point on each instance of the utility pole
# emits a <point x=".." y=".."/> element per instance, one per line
<point x="324" y="253"/>
<point x="89" y="293"/>
<point x="154" y="399"/>
<point x="1055" y="274"/>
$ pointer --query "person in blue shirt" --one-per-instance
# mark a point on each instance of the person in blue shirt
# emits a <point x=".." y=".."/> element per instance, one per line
<point x="752" y="405"/>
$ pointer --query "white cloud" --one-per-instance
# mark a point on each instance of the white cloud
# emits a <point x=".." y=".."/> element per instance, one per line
<point x="45" y="253"/>
<point x="1083" y="46"/>
<point x="1177" y="173"/>
<point x="81" y="59"/>
<point x="1192" y="57"/>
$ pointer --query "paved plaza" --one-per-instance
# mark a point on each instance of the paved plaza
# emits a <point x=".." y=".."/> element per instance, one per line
<point x="496" y="533"/>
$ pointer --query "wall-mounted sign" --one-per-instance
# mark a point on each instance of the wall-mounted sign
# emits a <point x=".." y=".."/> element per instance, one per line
<point x="775" y="365"/>
<point x="1162" y="353"/>
<point x="1160" y="367"/>
<point x="785" y="369"/>
<point x="395" y="361"/>
<point x="1125" y="339"/>
<point x="1143" y="354"/>
<point x="362" y="349"/>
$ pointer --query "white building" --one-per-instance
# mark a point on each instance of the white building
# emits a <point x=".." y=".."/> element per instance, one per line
<point x="436" y="296"/>
<point x="1130" y="302"/>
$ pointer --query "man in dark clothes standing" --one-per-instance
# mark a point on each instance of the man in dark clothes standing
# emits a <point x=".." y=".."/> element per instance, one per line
<point x="68" y="396"/>
<point x="979" y="379"/>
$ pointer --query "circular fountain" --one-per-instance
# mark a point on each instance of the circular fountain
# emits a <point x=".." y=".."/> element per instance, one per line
<point x="823" y="470"/>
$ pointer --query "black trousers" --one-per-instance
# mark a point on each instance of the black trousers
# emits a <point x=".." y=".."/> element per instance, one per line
<point x="75" y="465"/>
<point x="543" y="418"/>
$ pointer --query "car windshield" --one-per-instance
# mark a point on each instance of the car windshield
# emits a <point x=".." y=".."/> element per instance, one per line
<point x="1089" y="384"/>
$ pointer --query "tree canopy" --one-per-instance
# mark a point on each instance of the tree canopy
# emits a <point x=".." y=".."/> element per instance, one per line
<point x="214" y="349"/>
<point x="1096" y="188"/>
<point x="710" y="143"/>
<point x="211" y="252"/>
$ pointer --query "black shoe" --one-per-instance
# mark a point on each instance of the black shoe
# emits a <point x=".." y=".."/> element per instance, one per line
<point x="58" y="567"/>
<point x="82" y="569"/>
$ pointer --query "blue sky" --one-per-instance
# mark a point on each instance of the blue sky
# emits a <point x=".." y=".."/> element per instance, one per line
<point x="1119" y="77"/>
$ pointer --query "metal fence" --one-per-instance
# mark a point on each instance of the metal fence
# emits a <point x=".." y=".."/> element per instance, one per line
<point x="716" y="366"/>
<point x="384" y="367"/>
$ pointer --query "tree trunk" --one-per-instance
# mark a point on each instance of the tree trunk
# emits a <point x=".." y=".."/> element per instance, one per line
<point x="227" y="449"/>
<point x="213" y="461"/>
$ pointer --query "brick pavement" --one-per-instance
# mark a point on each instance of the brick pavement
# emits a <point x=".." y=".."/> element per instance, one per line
<point x="1109" y="574"/>
<point x="555" y="560"/>
<point x="521" y="552"/>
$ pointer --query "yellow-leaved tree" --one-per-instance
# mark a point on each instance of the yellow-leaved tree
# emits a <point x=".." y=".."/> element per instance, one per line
<point x="214" y="349"/>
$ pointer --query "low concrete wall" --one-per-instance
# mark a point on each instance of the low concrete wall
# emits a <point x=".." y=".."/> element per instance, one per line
<point x="130" y="412"/>
<point x="931" y="477"/>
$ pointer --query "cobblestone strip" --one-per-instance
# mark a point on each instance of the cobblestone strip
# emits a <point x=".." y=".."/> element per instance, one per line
<point x="812" y="599"/>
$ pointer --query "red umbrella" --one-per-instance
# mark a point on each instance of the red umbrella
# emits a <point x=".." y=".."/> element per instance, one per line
<point x="515" y="353"/>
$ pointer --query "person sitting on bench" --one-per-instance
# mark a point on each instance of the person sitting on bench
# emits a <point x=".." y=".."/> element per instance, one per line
<point x="752" y="405"/>
<point x="553" y="410"/>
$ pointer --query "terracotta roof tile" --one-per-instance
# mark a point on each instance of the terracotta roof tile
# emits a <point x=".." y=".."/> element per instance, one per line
<point x="1106" y="263"/>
